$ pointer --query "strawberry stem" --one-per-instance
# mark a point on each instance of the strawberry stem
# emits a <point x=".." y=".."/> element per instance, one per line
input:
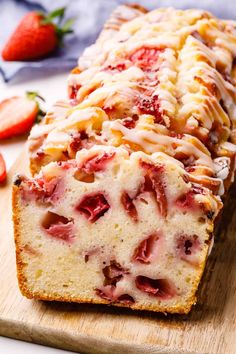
<point x="32" y="95"/>
<point x="35" y="96"/>
<point x="58" y="14"/>
<point x="48" y="18"/>
<point x="41" y="114"/>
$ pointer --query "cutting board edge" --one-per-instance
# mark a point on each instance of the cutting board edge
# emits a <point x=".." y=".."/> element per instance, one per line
<point x="87" y="344"/>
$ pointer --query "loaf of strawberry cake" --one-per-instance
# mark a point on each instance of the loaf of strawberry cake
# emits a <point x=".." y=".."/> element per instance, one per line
<point x="129" y="174"/>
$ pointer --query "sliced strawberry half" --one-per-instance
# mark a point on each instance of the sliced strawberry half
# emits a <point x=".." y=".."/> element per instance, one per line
<point x="3" y="171"/>
<point x="17" y="115"/>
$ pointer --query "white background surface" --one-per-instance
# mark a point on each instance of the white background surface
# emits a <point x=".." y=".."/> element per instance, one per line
<point x="12" y="346"/>
<point x="51" y="88"/>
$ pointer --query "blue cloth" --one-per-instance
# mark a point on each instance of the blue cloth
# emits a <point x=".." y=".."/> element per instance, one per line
<point x="91" y="14"/>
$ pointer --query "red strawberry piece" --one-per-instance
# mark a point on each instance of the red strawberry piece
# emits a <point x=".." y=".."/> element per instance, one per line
<point x="40" y="155"/>
<point x="146" y="250"/>
<point x="76" y="143"/>
<point x="17" y="115"/>
<point x="187" y="245"/>
<point x="58" y="226"/>
<point x="161" y="288"/>
<point x="159" y="188"/>
<point x="147" y="185"/>
<point x="129" y="206"/>
<point x="187" y="201"/>
<point x="130" y="122"/>
<point x="154" y="181"/>
<point x="3" y="171"/>
<point x="77" y="140"/>
<point x="146" y="57"/>
<point x="176" y="135"/>
<point x="72" y="91"/>
<point x="41" y="190"/>
<point x="97" y="163"/>
<point x="150" y="105"/>
<point x="188" y="248"/>
<point x="108" y="293"/>
<point x="36" y="36"/>
<point x="125" y="299"/>
<point x="116" y="67"/>
<point x="93" y="206"/>
<point x="113" y="273"/>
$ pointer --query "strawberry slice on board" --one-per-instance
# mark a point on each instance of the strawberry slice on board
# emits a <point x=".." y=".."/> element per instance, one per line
<point x="3" y="171"/>
<point x="18" y="114"/>
<point x="36" y="36"/>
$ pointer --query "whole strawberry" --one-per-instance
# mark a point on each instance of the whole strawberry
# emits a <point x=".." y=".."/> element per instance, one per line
<point x="36" y="36"/>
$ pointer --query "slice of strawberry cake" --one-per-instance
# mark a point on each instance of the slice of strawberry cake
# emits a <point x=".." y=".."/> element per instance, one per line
<point x="115" y="228"/>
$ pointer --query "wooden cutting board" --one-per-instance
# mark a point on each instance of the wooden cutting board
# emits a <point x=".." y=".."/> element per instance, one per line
<point x="210" y="328"/>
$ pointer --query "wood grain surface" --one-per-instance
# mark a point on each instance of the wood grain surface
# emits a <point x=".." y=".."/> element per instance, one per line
<point x="210" y="328"/>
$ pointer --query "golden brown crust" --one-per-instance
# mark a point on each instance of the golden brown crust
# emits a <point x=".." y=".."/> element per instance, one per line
<point x="56" y="297"/>
<point x="16" y="221"/>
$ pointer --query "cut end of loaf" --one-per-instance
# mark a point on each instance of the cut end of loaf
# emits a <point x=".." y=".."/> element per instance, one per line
<point x="113" y="228"/>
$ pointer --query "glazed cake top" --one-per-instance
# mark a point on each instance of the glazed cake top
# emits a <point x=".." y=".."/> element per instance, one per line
<point x="162" y="80"/>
